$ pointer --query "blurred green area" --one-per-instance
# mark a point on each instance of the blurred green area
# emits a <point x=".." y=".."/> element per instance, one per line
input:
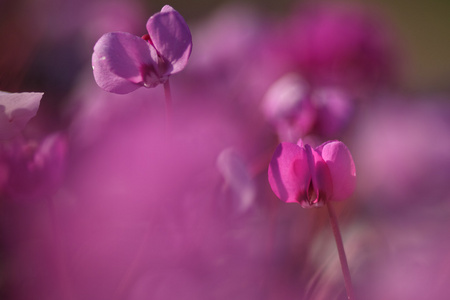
<point x="424" y="31"/>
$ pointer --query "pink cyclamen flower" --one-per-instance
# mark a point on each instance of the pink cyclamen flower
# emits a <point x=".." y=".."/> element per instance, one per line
<point x="123" y="62"/>
<point x="16" y="109"/>
<point x="299" y="173"/>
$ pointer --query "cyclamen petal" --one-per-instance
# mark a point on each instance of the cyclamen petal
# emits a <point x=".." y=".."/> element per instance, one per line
<point x="16" y="109"/>
<point x="341" y="166"/>
<point x="118" y="62"/>
<point x="171" y="37"/>
<point x="289" y="175"/>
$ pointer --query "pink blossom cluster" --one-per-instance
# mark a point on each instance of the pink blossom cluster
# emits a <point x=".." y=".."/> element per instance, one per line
<point x="116" y="185"/>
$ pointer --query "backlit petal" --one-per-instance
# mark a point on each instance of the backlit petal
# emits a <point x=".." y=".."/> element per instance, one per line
<point x="289" y="174"/>
<point x="341" y="166"/>
<point x="119" y="62"/>
<point x="171" y="37"/>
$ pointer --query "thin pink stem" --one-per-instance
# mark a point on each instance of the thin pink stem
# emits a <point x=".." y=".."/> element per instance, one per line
<point x="168" y="96"/>
<point x="341" y="251"/>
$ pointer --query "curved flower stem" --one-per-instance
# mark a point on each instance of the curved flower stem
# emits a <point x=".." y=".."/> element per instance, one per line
<point x="168" y="96"/>
<point x="341" y="251"/>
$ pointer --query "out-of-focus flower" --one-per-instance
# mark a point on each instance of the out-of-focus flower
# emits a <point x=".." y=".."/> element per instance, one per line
<point x="33" y="169"/>
<point x="123" y="62"/>
<point x="334" y="108"/>
<point x="16" y="109"/>
<point x="237" y="180"/>
<point x="297" y="110"/>
<point x="299" y="173"/>
<point x="285" y="105"/>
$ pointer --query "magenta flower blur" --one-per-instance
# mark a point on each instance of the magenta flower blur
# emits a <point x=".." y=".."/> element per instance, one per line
<point x="341" y="43"/>
<point x="34" y="169"/>
<point x="299" y="173"/>
<point x="123" y="62"/>
<point x="296" y="110"/>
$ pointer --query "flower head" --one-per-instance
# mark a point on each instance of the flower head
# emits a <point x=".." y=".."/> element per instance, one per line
<point x="299" y="173"/>
<point x="123" y="62"/>
<point x="297" y="109"/>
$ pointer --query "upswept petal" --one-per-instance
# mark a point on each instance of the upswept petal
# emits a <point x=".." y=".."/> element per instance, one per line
<point x="118" y="62"/>
<point x="167" y="8"/>
<point x="171" y="37"/>
<point x="289" y="175"/>
<point x="16" y="109"/>
<point x="341" y="166"/>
